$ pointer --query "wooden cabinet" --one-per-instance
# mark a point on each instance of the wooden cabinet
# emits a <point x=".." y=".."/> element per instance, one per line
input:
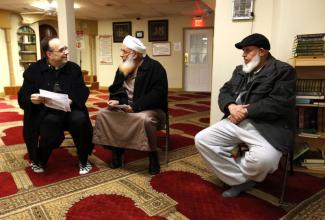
<point x="311" y="79"/>
<point x="26" y="46"/>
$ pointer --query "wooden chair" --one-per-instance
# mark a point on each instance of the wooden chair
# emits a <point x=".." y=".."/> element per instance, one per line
<point x="288" y="168"/>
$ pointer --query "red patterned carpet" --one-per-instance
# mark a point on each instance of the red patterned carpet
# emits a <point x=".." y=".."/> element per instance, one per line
<point x="200" y="199"/>
<point x="7" y="186"/>
<point x="10" y="116"/>
<point x="185" y="189"/>
<point x="111" y="207"/>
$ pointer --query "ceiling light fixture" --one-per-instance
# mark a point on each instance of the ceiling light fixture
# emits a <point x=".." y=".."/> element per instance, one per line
<point x="50" y="5"/>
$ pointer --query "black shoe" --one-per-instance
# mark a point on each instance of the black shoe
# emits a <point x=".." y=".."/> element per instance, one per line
<point x="117" y="154"/>
<point x="154" y="166"/>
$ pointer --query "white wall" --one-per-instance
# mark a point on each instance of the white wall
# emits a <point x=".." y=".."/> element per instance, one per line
<point x="18" y="70"/>
<point x="173" y="64"/>
<point x="278" y="20"/>
<point x="4" y="67"/>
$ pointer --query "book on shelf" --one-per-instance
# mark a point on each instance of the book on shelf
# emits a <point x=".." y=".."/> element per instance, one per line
<point x="309" y="97"/>
<point x="309" y="36"/>
<point x="312" y="165"/>
<point x="309" y="54"/>
<point x="304" y="101"/>
<point x="308" y="93"/>
<point x="309" y="135"/>
<point x="314" y="160"/>
<point x="319" y="103"/>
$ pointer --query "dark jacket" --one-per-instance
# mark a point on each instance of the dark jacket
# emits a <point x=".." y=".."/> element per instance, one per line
<point x="40" y="75"/>
<point x="150" y="87"/>
<point x="271" y="98"/>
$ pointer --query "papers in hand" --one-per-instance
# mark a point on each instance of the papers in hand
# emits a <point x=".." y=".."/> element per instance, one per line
<point x="119" y="108"/>
<point x="56" y="100"/>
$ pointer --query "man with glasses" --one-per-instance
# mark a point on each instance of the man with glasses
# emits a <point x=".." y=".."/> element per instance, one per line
<point x="137" y="106"/>
<point x="43" y="126"/>
<point x="259" y="106"/>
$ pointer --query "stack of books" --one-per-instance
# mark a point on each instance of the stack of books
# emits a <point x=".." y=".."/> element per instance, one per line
<point x="314" y="164"/>
<point x="309" y="45"/>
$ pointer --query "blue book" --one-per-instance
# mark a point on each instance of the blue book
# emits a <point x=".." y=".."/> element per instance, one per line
<point x="303" y="101"/>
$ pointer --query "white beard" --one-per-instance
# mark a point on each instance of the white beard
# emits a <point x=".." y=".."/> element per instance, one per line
<point x="249" y="67"/>
<point x="127" y="66"/>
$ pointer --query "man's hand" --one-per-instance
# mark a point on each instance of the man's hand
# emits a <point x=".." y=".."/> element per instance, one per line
<point x="128" y="109"/>
<point x="111" y="103"/>
<point x="37" y="99"/>
<point x="237" y="113"/>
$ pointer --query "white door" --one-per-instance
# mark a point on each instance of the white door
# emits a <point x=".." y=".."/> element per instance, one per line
<point x="198" y="60"/>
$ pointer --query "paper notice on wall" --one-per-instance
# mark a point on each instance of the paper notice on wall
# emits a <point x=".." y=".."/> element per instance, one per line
<point x="105" y="49"/>
<point x="80" y="40"/>
<point x="177" y="46"/>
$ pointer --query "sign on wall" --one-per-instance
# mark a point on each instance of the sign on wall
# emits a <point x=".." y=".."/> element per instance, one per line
<point x="105" y="49"/>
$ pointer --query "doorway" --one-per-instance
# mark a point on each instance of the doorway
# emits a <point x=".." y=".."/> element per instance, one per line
<point x="46" y="30"/>
<point x="198" y="59"/>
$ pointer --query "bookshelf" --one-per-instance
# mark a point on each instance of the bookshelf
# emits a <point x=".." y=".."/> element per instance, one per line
<point x="311" y="116"/>
<point x="27" y="46"/>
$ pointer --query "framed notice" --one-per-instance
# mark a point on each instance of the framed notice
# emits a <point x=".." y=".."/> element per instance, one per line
<point x="242" y="10"/>
<point x="105" y="49"/>
<point x="161" y="49"/>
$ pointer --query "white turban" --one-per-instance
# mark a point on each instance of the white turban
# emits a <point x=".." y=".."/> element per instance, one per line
<point x="134" y="44"/>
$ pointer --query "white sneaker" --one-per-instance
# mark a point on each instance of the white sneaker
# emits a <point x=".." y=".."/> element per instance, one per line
<point x="85" y="169"/>
<point x="36" y="168"/>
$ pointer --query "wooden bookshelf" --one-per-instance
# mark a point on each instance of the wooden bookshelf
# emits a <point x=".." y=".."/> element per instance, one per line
<point x="27" y="46"/>
<point x="311" y="68"/>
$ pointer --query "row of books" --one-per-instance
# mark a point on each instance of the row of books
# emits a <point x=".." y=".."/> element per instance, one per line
<point x="310" y="87"/>
<point x="310" y="121"/>
<point x="307" y="120"/>
<point x="309" y="45"/>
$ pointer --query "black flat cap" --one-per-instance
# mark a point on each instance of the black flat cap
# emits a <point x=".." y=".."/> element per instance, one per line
<point x="257" y="40"/>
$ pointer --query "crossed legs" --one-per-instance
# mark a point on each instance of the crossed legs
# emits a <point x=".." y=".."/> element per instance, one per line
<point x="215" y="144"/>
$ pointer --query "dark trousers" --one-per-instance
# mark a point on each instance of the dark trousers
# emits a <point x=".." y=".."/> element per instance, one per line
<point x="52" y="130"/>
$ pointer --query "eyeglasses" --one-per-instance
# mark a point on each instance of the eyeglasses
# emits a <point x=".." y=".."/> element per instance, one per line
<point x="61" y="50"/>
<point x="126" y="51"/>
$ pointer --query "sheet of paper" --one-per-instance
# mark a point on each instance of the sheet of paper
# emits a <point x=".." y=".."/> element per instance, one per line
<point x="56" y="100"/>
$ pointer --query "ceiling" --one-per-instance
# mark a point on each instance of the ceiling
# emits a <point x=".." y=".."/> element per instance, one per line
<point x="124" y="9"/>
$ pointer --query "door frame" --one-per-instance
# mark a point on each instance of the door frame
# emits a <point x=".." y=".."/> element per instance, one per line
<point x="183" y="52"/>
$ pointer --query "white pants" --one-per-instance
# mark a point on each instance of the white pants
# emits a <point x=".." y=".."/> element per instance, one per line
<point x="215" y="143"/>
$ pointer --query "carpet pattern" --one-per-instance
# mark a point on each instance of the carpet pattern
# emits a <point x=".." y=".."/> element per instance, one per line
<point x="185" y="189"/>
<point x="311" y="208"/>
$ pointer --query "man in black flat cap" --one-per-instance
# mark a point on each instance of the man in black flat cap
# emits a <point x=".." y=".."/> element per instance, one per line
<point x="259" y="107"/>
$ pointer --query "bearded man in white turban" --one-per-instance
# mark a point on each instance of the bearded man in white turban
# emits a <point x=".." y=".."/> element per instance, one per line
<point x="136" y="108"/>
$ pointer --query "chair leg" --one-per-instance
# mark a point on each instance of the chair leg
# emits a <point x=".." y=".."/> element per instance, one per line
<point x="285" y="177"/>
<point x="291" y="162"/>
<point x="167" y="146"/>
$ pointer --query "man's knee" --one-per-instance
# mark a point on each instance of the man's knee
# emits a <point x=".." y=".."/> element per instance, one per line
<point x="78" y="118"/>
<point x="198" y="139"/>
<point x="51" y="120"/>
<point x="201" y="138"/>
<point x="260" y="163"/>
